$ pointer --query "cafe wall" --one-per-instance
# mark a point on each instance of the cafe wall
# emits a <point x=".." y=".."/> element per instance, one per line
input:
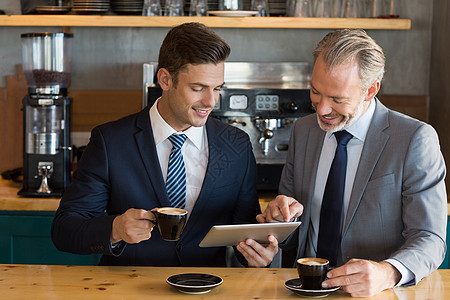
<point x="112" y="58"/>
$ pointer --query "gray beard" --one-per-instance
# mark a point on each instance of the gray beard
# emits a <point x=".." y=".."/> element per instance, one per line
<point x="347" y="123"/>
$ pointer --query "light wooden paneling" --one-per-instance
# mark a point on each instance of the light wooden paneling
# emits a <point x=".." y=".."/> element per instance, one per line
<point x="412" y="105"/>
<point x="11" y="121"/>
<point x="94" y="107"/>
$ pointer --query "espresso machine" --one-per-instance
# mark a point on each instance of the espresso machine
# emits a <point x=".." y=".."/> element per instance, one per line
<point x="264" y="100"/>
<point x="47" y="63"/>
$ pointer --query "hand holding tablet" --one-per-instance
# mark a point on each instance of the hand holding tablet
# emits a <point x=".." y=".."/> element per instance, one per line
<point x="231" y="235"/>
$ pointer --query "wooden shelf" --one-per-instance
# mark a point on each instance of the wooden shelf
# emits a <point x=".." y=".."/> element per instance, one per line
<point x="215" y="22"/>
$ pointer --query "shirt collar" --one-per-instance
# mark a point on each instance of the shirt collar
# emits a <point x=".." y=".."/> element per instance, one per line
<point x="361" y="126"/>
<point x="162" y="130"/>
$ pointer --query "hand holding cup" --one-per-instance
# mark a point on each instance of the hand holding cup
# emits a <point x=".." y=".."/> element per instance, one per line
<point x="170" y="222"/>
<point x="312" y="272"/>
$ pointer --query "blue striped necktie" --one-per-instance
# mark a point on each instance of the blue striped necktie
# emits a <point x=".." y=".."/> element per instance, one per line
<point x="333" y="199"/>
<point x="176" y="173"/>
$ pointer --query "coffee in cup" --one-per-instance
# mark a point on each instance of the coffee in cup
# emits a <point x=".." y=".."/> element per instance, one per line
<point x="312" y="272"/>
<point x="170" y="222"/>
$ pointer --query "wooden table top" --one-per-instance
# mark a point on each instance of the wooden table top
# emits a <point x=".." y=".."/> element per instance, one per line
<point x="96" y="282"/>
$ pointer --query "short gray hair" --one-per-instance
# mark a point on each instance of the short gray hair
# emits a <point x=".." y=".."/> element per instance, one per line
<point x="342" y="46"/>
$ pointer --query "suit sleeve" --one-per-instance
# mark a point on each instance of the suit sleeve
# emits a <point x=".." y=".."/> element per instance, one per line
<point x="424" y="203"/>
<point x="80" y="225"/>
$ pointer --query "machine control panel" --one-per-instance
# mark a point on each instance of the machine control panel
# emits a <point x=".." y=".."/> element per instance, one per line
<point x="263" y="103"/>
<point x="238" y="102"/>
<point x="267" y="102"/>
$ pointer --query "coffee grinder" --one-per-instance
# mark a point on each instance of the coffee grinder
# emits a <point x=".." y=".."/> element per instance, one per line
<point x="47" y="63"/>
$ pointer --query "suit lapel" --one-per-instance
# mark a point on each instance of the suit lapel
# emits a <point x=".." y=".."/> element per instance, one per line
<point x="213" y="171"/>
<point x="147" y="149"/>
<point x="374" y="144"/>
<point x="313" y="149"/>
<point x="314" y="144"/>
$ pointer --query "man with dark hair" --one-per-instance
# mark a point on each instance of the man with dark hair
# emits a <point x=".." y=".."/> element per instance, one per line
<point x="124" y="169"/>
<point x="366" y="181"/>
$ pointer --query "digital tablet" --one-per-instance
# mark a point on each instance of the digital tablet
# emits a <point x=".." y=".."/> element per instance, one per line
<point x="231" y="235"/>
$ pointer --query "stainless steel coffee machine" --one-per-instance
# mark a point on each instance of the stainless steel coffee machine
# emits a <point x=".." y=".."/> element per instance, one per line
<point x="47" y="63"/>
<point x="262" y="99"/>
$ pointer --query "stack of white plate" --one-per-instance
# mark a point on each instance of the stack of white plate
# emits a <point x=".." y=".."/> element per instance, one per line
<point x="127" y="7"/>
<point x="52" y="9"/>
<point x="85" y="7"/>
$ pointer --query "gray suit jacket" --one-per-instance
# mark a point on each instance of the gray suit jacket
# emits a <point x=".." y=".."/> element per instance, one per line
<point x="398" y="205"/>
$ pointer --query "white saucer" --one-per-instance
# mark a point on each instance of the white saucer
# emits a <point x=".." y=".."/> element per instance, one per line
<point x="296" y="286"/>
<point x="233" y="13"/>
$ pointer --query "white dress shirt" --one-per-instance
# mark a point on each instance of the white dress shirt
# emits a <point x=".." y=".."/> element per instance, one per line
<point x="195" y="153"/>
<point x="354" y="148"/>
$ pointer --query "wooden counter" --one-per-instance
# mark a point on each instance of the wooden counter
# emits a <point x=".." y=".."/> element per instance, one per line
<point x="9" y="200"/>
<point x="83" y="282"/>
<point x="215" y="22"/>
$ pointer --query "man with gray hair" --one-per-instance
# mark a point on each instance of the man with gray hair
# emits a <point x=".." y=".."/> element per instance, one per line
<point x="367" y="182"/>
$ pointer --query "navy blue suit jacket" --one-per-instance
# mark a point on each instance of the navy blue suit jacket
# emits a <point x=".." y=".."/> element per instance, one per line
<point x="120" y="170"/>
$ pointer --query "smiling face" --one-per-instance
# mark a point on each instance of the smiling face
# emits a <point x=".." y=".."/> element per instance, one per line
<point x="190" y="101"/>
<point x="337" y="95"/>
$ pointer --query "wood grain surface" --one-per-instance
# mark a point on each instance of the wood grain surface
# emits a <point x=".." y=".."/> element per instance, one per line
<point x="94" y="282"/>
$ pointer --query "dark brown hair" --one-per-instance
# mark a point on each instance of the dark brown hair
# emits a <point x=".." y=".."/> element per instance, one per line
<point x="191" y="43"/>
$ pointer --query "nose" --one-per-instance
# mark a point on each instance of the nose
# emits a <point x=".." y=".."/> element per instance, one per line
<point x="323" y="107"/>
<point x="210" y="98"/>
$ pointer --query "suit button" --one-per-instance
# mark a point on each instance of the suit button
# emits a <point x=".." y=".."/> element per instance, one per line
<point x="179" y="247"/>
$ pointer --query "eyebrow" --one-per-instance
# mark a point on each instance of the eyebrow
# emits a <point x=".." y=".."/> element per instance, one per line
<point x="205" y="85"/>
<point x="333" y="97"/>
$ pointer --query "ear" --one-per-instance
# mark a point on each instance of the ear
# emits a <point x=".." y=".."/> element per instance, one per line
<point x="373" y="90"/>
<point x="164" y="79"/>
